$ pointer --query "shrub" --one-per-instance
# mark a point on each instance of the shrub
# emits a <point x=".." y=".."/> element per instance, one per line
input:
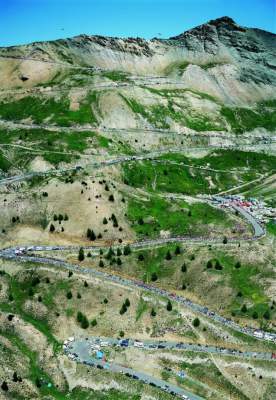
<point x="209" y="264"/>
<point x="101" y="264"/>
<point x="94" y="322"/>
<point x="105" y="221"/>
<point x="196" y="322"/>
<point x="237" y="265"/>
<point x="111" y="197"/>
<point x="141" y="257"/>
<point x="127" y="302"/>
<point x="169" y="306"/>
<point x="168" y="255"/>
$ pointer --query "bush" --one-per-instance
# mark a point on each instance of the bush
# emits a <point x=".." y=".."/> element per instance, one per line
<point x="209" y="264"/>
<point x="105" y="301"/>
<point x="141" y="257"/>
<point x="224" y="240"/>
<point x="127" y="302"/>
<point x="196" y="322"/>
<point x="105" y="222"/>
<point x="101" y="264"/>
<point x="94" y="322"/>
<point x="168" y="255"/>
<point x="121" y="333"/>
<point x="111" y="197"/>
<point x="237" y="265"/>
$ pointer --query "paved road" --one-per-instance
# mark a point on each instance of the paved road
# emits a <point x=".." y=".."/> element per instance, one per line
<point x="258" y="334"/>
<point x="80" y="351"/>
<point x="113" y="161"/>
<point x="266" y="139"/>
<point x="159" y="345"/>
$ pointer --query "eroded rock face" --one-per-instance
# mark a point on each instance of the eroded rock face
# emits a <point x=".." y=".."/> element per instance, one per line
<point x="216" y="47"/>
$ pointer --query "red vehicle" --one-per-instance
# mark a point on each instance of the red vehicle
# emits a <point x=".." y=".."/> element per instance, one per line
<point x="273" y="356"/>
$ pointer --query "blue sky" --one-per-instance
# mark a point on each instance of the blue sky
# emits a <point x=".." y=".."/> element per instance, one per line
<point x="24" y="21"/>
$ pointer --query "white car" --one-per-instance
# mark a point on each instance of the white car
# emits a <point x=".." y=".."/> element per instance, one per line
<point x="138" y="344"/>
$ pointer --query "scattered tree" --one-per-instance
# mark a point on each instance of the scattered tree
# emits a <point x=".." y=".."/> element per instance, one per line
<point x="153" y="312"/>
<point x="266" y="315"/>
<point x="94" y="322"/>
<point x="169" y="306"/>
<point x="127" y="250"/>
<point x="177" y="251"/>
<point x="52" y="228"/>
<point x="184" y="268"/>
<point x="244" y="308"/>
<point x="154" y="277"/>
<point x="81" y="254"/>
<point x="4" y="386"/>
<point x="255" y="315"/>
<point x="69" y="295"/>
